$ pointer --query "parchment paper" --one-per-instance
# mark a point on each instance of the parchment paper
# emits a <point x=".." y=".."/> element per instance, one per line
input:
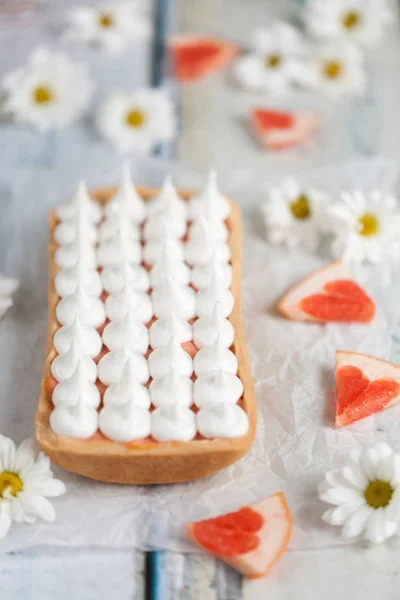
<point x="292" y="366"/>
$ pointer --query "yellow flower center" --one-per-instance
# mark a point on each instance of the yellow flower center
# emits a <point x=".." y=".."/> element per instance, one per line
<point x="272" y="61"/>
<point x="301" y="207"/>
<point x="42" y="95"/>
<point x="351" y="19"/>
<point x="135" y="118"/>
<point x="11" y="482"/>
<point x="369" y="225"/>
<point x="106" y="20"/>
<point x="332" y="69"/>
<point x="378" y="493"/>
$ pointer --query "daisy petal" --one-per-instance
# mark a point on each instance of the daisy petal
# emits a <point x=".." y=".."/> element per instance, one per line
<point x="356" y="522"/>
<point x="393" y="510"/>
<point x="342" y="495"/>
<point x="369" y="463"/>
<point x="24" y="456"/>
<point x="395" y="470"/>
<point x="49" y="487"/>
<point x="375" y="528"/>
<point x="336" y="516"/>
<point x="37" y="505"/>
<point x="7" y="453"/>
<point x="355" y="477"/>
<point x="5" y="520"/>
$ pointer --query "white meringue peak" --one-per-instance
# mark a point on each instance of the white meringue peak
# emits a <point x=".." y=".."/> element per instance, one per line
<point x="128" y="333"/>
<point x="168" y="266"/>
<point x="207" y="298"/>
<point x="173" y="389"/>
<point x="127" y="202"/>
<point x="127" y="391"/>
<point x="117" y="305"/>
<point x="112" y="365"/>
<point x="214" y="387"/>
<point x="199" y="205"/>
<point x="173" y="423"/>
<point x="114" y="277"/>
<point x="201" y="275"/>
<point x="207" y="329"/>
<point x="118" y="226"/>
<point x="222" y="421"/>
<point x="66" y="280"/>
<point x="87" y="338"/>
<point x="89" y="309"/>
<point x="170" y="357"/>
<point x="80" y="250"/>
<point x="80" y="421"/>
<point x="66" y="232"/>
<point x="168" y="202"/>
<point x="202" y="246"/>
<point x="64" y="365"/>
<point x="80" y="202"/>
<point x="124" y="423"/>
<point x="118" y="249"/>
<point x="162" y="329"/>
<point x="76" y="389"/>
<point x="173" y="298"/>
<point x="214" y="358"/>
<point x="154" y="249"/>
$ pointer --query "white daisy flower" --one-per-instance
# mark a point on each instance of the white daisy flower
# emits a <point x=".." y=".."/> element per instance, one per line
<point x="366" y="227"/>
<point x="136" y="121"/>
<point x="365" y="494"/>
<point x="50" y="91"/>
<point x="335" y="69"/>
<point x="293" y="214"/>
<point x="111" y="25"/>
<point x="360" y="21"/>
<point x="26" y="482"/>
<point x="8" y="285"/>
<point x="273" y="64"/>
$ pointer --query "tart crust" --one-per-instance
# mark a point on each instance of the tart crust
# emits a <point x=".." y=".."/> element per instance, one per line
<point x="147" y="461"/>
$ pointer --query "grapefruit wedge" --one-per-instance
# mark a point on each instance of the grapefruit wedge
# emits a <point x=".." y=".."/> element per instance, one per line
<point x="251" y="540"/>
<point x="365" y="385"/>
<point x="193" y="56"/>
<point x="328" y="294"/>
<point x="277" y="130"/>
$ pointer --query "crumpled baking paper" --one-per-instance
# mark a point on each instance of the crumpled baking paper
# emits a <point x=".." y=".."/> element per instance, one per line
<point x="292" y="366"/>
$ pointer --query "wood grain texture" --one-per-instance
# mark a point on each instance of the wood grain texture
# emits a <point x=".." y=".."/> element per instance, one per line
<point x="147" y="462"/>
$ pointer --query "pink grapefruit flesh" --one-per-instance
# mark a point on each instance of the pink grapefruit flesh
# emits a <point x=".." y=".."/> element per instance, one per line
<point x="193" y="57"/>
<point x="328" y="294"/>
<point x="365" y="385"/>
<point x="251" y="540"/>
<point x="277" y="130"/>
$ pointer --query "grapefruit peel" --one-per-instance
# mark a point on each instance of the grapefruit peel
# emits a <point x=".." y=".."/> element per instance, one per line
<point x="365" y="385"/>
<point x="251" y="540"/>
<point x="277" y="130"/>
<point x="328" y="294"/>
<point x="193" y="56"/>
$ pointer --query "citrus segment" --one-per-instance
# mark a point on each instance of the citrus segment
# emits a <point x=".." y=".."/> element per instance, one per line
<point x="365" y="387"/>
<point x="193" y="57"/>
<point x="328" y="294"/>
<point x="251" y="539"/>
<point x="277" y="130"/>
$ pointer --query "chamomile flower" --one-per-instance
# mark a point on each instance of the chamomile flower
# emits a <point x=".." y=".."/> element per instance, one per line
<point x="136" y="121"/>
<point x="293" y="214"/>
<point x="335" y="69"/>
<point x="273" y="63"/>
<point x="50" y="91"/>
<point x="8" y="285"/>
<point x="365" y="494"/>
<point x="366" y="227"/>
<point x="111" y="25"/>
<point x="26" y="482"/>
<point x="360" y="21"/>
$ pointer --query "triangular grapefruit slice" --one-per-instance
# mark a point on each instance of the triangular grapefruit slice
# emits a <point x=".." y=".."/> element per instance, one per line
<point x="365" y="385"/>
<point x="193" y="56"/>
<point x="328" y="294"/>
<point x="277" y="130"/>
<point x="251" y="540"/>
